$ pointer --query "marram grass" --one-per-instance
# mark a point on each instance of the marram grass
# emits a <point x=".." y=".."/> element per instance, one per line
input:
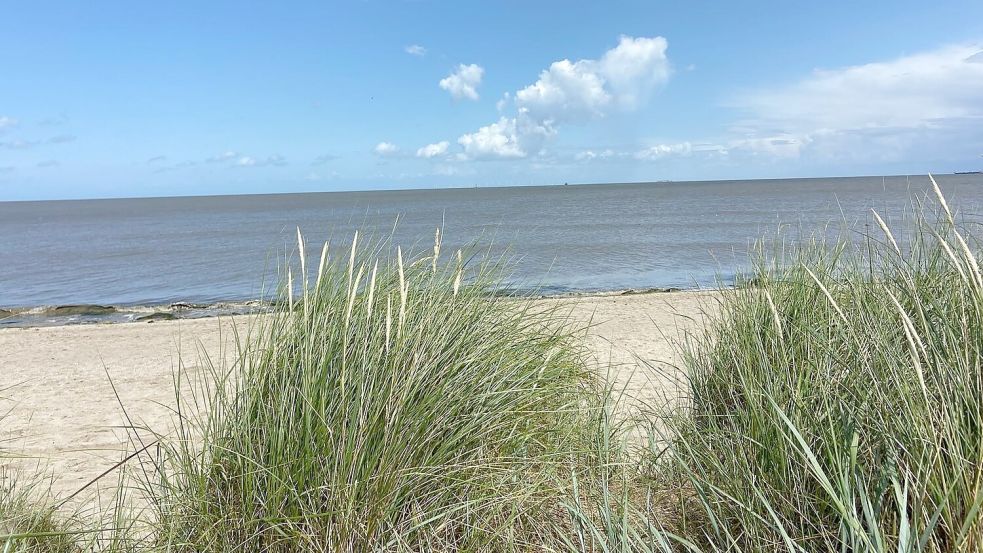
<point x="837" y="404"/>
<point x="392" y="406"/>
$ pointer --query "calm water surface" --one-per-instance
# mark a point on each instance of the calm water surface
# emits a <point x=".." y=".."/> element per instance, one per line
<point x="129" y="252"/>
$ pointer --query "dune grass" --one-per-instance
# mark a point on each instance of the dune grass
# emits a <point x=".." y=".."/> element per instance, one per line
<point x="836" y="404"/>
<point x="392" y="406"/>
<point x="27" y="522"/>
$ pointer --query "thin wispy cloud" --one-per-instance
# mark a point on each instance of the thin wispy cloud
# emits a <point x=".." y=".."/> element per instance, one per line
<point x="47" y="163"/>
<point x="176" y="166"/>
<point x="931" y="100"/>
<point x="224" y="157"/>
<point x="53" y="121"/>
<point x="324" y="158"/>
<point x="415" y="50"/>
<point x="275" y="160"/>
<point x="250" y="161"/>
<point x="660" y="151"/>
<point x="62" y="139"/>
<point x="17" y="144"/>
<point x="229" y="158"/>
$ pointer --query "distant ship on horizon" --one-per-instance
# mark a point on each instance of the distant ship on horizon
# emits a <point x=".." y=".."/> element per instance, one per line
<point x="967" y="172"/>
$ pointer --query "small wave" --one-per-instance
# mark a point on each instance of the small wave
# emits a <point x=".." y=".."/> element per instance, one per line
<point x="58" y="315"/>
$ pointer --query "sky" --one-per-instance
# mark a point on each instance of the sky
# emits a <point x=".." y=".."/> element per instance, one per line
<point x="128" y="99"/>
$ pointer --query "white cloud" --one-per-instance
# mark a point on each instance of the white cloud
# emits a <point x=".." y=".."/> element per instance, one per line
<point x="496" y="140"/>
<point x="572" y="92"/>
<point x="463" y="82"/>
<point x="230" y="158"/>
<point x="932" y="99"/>
<point x="622" y="78"/>
<point x="509" y="137"/>
<point x="249" y="161"/>
<point x="783" y="146"/>
<point x="18" y="144"/>
<point x="386" y="149"/>
<point x="501" y="104"/>
<point x="7" y="122"/>
<point x="415" y="50"/>
<point x="589" y="155"/>
<point x="223" y="157"/>
<point x="433" y="150"/>
<point x="660" y="151"/>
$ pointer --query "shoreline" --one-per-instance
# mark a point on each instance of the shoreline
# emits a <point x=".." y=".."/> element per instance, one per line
<point x="43" y="316"/>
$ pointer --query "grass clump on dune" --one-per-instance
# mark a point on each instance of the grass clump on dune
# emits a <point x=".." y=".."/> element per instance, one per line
<point x="27" y="524"/>
<point x="393" y="405"/>
<point x="836" y="405"/>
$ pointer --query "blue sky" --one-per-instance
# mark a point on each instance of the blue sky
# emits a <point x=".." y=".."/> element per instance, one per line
<point x="110" y="99"/>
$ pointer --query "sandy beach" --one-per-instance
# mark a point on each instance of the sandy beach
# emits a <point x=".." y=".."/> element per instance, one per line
<point x="66" y="388"/>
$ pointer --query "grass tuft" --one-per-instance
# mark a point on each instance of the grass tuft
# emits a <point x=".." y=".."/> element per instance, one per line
<point x="393" y="406"/>
<point x="836" y="404"/>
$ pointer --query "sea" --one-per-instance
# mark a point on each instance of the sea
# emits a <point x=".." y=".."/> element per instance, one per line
<point x="116" y="260"/>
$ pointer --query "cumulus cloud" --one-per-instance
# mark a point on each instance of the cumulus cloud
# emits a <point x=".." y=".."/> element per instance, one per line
<point x="463" y="82"/>
<point x="415" y="50"/>
<point x="246" y="161"/>
<point x="386" y="149"/>
<point x="890" y="104"/>
<point x="496" y="140"/>
<point x="501" y="104"/>
<point x="621" y="79"/>
<point x="7" y="122"/>
<point x="509" y="137"/>
<point x="433" y="150"/>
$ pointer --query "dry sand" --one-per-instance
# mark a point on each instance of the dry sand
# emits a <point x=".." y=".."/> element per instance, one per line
<point x="63" y="415"/>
